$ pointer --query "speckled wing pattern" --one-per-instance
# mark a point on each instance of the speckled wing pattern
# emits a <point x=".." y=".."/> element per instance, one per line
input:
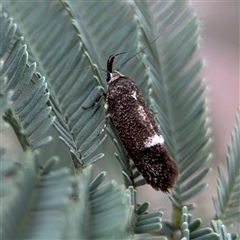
<point x="139" y="132"/>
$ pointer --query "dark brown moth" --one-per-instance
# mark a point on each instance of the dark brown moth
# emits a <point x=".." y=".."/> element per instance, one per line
<point x="138" y="131"/>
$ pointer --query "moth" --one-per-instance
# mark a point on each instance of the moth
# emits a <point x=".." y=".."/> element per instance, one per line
<point x="137" y="129"/>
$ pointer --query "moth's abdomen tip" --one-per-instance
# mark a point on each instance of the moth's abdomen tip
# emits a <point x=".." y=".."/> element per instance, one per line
<point x="168" y="183"/>
<point x="158" y="168"/>
<point x="172" y="177"/>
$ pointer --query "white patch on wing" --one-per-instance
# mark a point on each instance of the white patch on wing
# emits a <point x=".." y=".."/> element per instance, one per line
<point x="134" y="95"/>
<point x="154" y="140"/>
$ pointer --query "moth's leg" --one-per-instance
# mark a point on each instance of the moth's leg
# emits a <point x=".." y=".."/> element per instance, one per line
<point x="105" y="106"/>
<point x="105" y="124"/>
<point x="153" y="112"/>
<point x="96" y="100"/>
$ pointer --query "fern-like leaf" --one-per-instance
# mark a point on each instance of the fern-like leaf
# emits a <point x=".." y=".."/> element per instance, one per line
<point x="33" y="200"/>
<point x="28" y="114"/>
<point x="227" y="203"/>
<point x="110" y="213"/>
<point x="63" y="60"/>
<point x="179" y="97"/>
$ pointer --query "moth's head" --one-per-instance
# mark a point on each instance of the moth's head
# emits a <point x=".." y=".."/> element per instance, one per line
<point x="112" y="75"/>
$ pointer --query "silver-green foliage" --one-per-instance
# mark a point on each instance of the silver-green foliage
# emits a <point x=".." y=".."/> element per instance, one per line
<point x="180" y="97"/>
<point x="190" y="228"/>
<point x="68" y="40"/>
<point x="32" y="201"/>
<point x="222" y="232"/>
<point x="28" y="115"/>
<point x="227" y="203"/>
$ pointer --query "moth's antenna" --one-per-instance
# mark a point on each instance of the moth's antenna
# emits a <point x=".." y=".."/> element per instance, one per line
<point x="146" y="46"/>
<point x="109" y="63"/>
<point x="119" y="53"/>
<point x="83" y="68"/>
<point x="149" y="44"/>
